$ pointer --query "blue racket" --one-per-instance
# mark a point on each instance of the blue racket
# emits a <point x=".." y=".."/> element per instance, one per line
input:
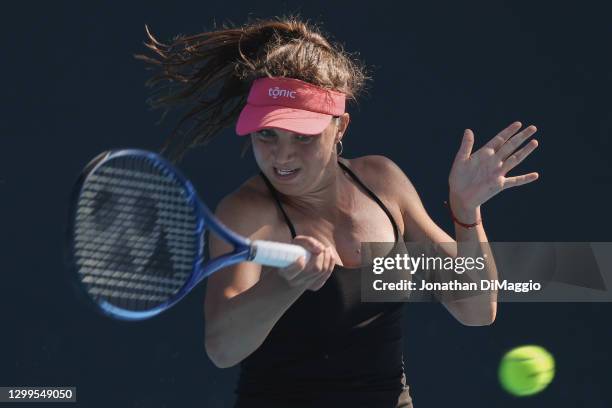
<point x="136" y="236"/>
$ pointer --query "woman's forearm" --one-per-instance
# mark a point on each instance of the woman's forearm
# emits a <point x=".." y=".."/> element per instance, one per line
<point x="473" y="243"/>
<point x="247" y="319"/>
<point x="476" y="177"/>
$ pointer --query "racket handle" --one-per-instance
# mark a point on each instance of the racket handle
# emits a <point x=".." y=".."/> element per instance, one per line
<point x="276" y="253"/>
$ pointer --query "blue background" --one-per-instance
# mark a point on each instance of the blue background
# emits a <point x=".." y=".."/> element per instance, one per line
<point x="71" y="89"/>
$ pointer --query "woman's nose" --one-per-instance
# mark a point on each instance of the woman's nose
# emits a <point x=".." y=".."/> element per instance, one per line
<point x="284" y="153"/>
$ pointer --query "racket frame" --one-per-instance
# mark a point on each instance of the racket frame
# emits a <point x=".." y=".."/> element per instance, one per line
<point x="205" y="221"/>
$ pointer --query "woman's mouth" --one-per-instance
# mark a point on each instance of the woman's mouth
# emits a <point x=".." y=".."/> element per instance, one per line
<point x="284" y="173"/>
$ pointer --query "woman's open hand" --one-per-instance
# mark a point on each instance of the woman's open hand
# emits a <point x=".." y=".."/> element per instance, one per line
<point x="476" y="177"/>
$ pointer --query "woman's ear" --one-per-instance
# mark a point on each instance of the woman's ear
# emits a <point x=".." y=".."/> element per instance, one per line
<point x="343" y="122"/>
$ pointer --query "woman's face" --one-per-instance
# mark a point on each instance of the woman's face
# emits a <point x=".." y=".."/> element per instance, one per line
<point x="295" y="163"/>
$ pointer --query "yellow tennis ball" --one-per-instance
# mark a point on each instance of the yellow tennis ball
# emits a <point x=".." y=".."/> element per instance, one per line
<point x="526" y="370"/>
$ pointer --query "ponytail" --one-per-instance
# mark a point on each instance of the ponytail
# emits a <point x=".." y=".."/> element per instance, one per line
<point x="209" y="74"/>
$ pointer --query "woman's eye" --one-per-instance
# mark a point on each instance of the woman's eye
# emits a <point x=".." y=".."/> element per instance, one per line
<point x="265" y="135"/>
<point x="304" y="139"/>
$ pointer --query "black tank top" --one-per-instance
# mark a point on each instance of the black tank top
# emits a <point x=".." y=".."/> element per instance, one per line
<point x="329" y="348"/>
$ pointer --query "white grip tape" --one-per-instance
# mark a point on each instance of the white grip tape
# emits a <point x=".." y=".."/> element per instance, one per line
<point x="276" y="253"/>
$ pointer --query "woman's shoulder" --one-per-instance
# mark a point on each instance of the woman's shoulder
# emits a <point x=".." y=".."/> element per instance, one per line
<point x="371" y="162"/>
<point x="248" y="208"/>
<point x="378" y="172"/>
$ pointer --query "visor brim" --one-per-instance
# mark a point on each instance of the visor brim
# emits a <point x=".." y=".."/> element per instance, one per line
<point x="254" y="118"/>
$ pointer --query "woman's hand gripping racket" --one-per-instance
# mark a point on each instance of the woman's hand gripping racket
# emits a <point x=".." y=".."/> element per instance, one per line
<point x="136" y="240"/>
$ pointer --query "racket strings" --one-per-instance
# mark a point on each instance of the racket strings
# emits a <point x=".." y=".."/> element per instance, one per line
<point x="135" y="235"/>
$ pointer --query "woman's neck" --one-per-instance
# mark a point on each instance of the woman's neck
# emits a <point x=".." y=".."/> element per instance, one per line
<point x="332" y="196"/>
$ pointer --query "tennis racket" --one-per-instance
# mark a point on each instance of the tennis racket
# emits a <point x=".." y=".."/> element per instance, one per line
<point x="136" y="236"/>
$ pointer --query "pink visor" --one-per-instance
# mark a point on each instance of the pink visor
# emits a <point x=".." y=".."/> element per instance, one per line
<point x="289" y="104"/>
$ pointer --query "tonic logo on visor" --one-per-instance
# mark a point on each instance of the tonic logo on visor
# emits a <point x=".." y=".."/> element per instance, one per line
<point x="277" y="92"/>
<point x="289" y="104"/>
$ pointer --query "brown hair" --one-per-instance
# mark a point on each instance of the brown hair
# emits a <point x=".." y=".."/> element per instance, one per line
<point x="210" y="73"/>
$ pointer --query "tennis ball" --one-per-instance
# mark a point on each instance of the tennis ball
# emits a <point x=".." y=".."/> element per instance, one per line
<point x="526" y="370"/>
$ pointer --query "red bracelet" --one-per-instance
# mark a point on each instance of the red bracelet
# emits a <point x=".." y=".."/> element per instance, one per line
<point x="459" y="222"/>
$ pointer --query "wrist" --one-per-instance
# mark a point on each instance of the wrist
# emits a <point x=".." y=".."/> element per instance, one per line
<point x="466" y="215"/>
<point x="463" y="214"/>
<point x="462" y="207"/>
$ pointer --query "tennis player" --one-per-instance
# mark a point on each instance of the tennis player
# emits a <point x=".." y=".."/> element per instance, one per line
<point x="301" y="334"/>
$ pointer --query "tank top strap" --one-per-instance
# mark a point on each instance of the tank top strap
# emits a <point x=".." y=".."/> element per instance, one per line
<point x="278" y="204"/>
<point x="354" y="177"/>
<point x="374" y="197"/>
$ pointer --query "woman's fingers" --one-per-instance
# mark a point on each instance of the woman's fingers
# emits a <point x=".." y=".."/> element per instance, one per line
<point x="311" y="244"/>
<point x="516" y="181"/>
<point x="511" y="145"/>
<point x="329" y="262"/>
<point x="503" y="136"/>
<point x="319" y="263"/>
<point x="467" y="143"/>
<point x="290" y="272"/>
<point x="314" y="273"/>
<point x="316" y="270"/>
<point x="516" y="158"/>
<point x="332" y="261"/>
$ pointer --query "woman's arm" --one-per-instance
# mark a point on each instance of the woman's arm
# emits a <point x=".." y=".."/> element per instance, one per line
<point x="243" y="303"/>
<point x="481" y="309"/>
<point x="236" y="325"/>
<point x="475" y="177"/>
<point x="419" y="227"/>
